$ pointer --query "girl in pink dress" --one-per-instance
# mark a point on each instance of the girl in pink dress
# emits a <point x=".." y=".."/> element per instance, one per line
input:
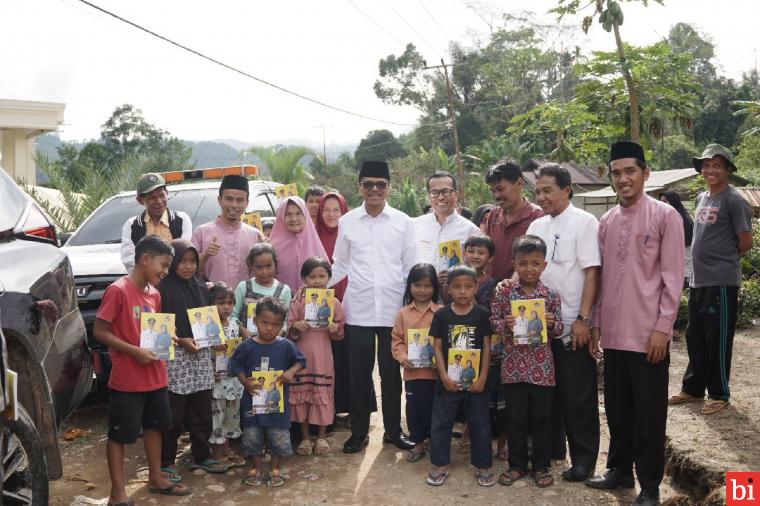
<point x="312" y="391"/>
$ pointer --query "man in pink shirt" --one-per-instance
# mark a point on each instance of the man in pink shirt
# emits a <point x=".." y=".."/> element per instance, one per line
<point x="642" y="248"/>
<point x="225" y="242"/>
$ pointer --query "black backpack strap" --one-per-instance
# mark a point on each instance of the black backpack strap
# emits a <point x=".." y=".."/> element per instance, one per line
<point x="278" y="290"/>
<point x="249" y="294"/>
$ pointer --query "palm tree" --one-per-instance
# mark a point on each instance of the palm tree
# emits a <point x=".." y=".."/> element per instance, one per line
<point x="283" y="163"/>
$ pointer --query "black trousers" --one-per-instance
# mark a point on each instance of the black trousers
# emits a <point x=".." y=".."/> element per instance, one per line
<point x="529" y="412"/>
<point x="636" y="402"/>
<point x="360" y="347"/>
<point x="194" y="412"/>
<point x="340" y="376"/>
<point x="419" y="408"/>
<point x="577" y="401"/>
<point x="710" y="340"/>
<point x="445" y="407"/>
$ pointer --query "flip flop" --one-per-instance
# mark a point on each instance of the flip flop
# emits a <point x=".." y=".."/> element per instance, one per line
<point x="437" y="479"/>
<point x="322" y="447"/>
<point x="171" y="474"/>
<point x="510" y="476"/>
<point x="683" y="397"/>
<point x="126" y="503"/>
<point x="486" y="479"/>
<point x="305" y="448"/>
<point x="253" y="479"/>
<point x="413" y="456"/>
<point x="275" y="480"/>
<point x="172" y="490"/>
<point x="713" y="406"/>
<point x="235" y="461"/>
<point x="208" y="466"/>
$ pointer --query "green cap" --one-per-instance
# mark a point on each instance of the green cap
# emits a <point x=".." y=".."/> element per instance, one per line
<point x="148" y="183"/>
<point x="711" y="151"/>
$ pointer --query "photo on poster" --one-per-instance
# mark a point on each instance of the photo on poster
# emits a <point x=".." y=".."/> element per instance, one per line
<point x="284" y="191"/>
<point x="463" y="367"/>
<point x="250" y="313"/>
<point x="222" y="364"/>
<point x="206" y="326"/>
<point x="156" y="331"/>
<point x="530" y="322"/>
<point x="320" y="306"/>
<point x="419" y="348"/>
<point x="269" y="398"/>
<point x="449" y="255"/>
<point x="253" y="219"/>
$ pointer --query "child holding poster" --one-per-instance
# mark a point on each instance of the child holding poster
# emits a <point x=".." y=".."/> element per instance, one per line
<point x="527" y="366"/>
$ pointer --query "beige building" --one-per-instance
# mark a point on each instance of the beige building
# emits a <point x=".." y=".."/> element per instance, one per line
<point x="21" y="122"/>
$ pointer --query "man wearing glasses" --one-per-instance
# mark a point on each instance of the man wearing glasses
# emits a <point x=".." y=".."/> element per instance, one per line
<point x="375" y="249"/>
<point x="572" y="269"/>
<point x="443" y="224"/>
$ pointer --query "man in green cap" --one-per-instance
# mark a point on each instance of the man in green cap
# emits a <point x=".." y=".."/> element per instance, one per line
<point x="155" y="220"/>
<point x="722" y="234"/>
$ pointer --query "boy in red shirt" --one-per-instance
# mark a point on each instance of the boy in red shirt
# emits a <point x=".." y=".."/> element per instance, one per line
<point x="138" y="396"/>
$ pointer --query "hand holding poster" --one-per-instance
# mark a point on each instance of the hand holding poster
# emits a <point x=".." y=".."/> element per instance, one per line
<point x="449" y="255"/>
<point x="319" y="308"/>
<point x="463" y="367"/>
<point x="156" y="331"/>
<point x="530" y="322"/>
<point x="206" y="326"/>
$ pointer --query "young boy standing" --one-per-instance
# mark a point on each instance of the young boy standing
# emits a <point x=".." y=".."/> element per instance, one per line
<point x="266" y="351"/>
<point x="138" y="383"/>
<point x="527" y="369"/>
<point x="478" y="252"/>
<point x="462" y="317"/>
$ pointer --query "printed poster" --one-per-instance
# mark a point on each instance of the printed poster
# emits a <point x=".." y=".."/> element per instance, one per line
<point x="419" y="348"/>
<point x="253" y="219"/>
<point x="156" y="331"/>
<point x="269" y="398"/>
<point x="284" y="191"/>
<point x="206" y="326"/>
<point x="530" y="322"/>
<point x="463" y="367"/>
<point x="449" y="255"/>
<point x="250" y="312"/>
<point x="320" y="306"/>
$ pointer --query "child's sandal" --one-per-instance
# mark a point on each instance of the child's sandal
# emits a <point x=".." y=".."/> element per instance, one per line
<point x="543" y="478"/>
<point x="275" y="480"/>
<point x="305" y="448"/>
<point x="510" y="476"/>
<point x="253" y="479"/>
<point x="322" y="447"/>
<point x="486" y="479"/>
<point x="414" y="455"/>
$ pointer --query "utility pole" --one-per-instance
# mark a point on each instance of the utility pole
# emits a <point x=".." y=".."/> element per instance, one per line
<point x="324" y="146"/>
<point x="452" y="118"/>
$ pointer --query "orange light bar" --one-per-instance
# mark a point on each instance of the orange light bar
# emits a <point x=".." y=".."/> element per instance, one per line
<point x="209" y="173"/>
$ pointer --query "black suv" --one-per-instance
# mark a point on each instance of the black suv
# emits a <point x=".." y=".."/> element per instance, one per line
<point x="46" y="345"/>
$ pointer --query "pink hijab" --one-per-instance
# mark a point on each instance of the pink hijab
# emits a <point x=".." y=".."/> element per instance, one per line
<point x="293" y="249"/>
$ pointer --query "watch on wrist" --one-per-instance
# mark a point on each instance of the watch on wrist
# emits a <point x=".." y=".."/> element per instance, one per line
<point x="584" y="319"/>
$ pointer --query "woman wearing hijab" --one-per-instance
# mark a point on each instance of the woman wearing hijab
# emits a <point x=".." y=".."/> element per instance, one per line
<point x="672" y="198"/>
<point x="191" y="373"/>
<point x="295" y="239"/>
<point x="332" y="206"/>
<point x="481" y="214"/>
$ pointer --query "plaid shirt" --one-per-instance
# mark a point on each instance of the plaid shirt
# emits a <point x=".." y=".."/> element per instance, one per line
<point x="525" y="363"/>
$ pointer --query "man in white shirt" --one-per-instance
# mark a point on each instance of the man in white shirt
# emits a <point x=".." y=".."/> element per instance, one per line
<point x="520" y="330"/>
<point x="375" y="249"/>
<point x="311" y="309"/>
<point x="415" y="350"/>
<point x="572" y="270"/>
<point x="442" y="224"/>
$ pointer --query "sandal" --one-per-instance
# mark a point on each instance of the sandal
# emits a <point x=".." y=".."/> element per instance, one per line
<point x="275" y="480"/>
<point x="486" y="479"/>
<point x="171" y="474"/>
<point x="305" y="448"/>
<point x="415" y="456"/>
<point x="464" y="447"/>
<point x="681" y="398"/>
<point x="543" y="478"/>
<point x="235" y="461"/>
<point x="322" y="447"/>
<point x="125" y="503"/>
<point x="510" y="476"/>
<point x="713" y="406"/>
<point x="210" y="466"/>
<point x="253" y="479"/>
<point x="437" y="479"/>
<point x="175" y="489"/>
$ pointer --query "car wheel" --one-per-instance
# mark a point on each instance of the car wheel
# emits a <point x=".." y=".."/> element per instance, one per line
<point x="24" y="470"/>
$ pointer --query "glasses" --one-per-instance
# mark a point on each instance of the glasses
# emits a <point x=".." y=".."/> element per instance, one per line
<point x="445" y="192"/>
<point x="380" y="185"/>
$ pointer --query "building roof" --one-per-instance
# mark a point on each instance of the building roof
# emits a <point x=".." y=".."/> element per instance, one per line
<point x="581" y="176"/>
<point x="751" y="195"/>
<point x="28" y="115"/>
<point x="658" y="179"/>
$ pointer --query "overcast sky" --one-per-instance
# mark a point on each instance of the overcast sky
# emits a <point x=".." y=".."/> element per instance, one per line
<point x="65" y="51"/>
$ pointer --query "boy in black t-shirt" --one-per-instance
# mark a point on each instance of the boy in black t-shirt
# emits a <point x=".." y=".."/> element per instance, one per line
<point x="463" y="326"/>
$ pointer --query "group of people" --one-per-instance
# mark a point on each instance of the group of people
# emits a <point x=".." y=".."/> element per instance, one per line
<point x="610" y="287"/>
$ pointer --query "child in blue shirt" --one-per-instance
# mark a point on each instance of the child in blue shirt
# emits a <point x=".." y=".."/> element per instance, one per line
<point x="266" y="351"/>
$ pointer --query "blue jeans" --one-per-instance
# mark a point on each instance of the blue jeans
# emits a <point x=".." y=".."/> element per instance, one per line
<point x="277" y="440"/>
<point x="419" y="408"/>
<point x="445" y="407"/>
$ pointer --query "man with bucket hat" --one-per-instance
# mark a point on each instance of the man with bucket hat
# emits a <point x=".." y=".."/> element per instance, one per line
<point x="157" y="219"/>
<point x="722" y="234"/>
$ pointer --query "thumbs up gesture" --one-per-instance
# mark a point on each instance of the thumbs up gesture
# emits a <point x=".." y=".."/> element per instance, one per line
<point x="212" y="249"/>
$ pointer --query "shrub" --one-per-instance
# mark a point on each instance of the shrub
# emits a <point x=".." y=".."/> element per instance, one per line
<point x="749" y="303"/>
<point x="751" y="260"/>
<point x="683" y="312"/>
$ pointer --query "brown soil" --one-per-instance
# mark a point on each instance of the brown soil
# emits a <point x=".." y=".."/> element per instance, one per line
<point x="700" y="450"/>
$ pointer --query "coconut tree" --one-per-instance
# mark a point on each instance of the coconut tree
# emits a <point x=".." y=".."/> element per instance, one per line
<point x="284" y="163"/>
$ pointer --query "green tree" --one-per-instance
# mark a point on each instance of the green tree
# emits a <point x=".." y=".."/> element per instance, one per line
<point x="406" y="197"/>
<point x="284" y="163"/>
<point x="378" y="145"/>
<point x="673" y="152"/>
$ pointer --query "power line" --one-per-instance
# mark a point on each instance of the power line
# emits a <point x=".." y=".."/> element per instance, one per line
<point x="411" y="27"/>
<point x="448" y="39"/>
<point x="246" y="74"/>
<point x="372" y="20"/>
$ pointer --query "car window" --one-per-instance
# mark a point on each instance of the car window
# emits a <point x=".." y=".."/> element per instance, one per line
<point x="12" y="202"/>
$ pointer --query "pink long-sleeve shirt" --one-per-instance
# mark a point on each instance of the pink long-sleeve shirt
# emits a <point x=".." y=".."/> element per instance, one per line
<point x="642" y="250"/>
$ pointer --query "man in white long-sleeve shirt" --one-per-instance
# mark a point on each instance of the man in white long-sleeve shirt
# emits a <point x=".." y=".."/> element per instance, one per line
<point x="375" y="249"/>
